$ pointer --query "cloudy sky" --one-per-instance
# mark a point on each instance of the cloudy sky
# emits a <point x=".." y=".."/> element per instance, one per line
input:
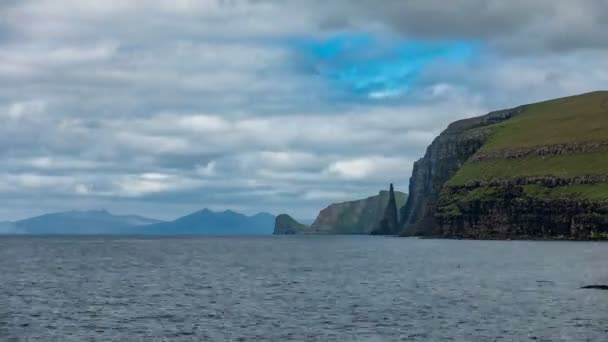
<point x="163" y="107"/>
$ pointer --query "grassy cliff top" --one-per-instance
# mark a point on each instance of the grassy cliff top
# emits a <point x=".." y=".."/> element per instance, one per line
<point x="574" y="119"/>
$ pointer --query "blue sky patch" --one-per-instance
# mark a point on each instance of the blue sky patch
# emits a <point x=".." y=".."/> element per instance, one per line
<point x="373" y="67"/>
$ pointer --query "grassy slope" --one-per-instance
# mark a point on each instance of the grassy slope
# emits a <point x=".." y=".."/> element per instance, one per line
<point x="588" y="191"/>
<point x="576" y="119"/>
<point x="580" y="118"/>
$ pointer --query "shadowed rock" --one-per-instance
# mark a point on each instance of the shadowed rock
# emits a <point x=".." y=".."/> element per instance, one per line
<point x="286" y="225"/>
<point x="389" y="224"/>
<point x="355" y="217"/>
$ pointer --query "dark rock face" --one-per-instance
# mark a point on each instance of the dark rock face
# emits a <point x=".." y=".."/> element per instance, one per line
<point x="286" y="225"/>
<point x="443" y="158"/>
<point x="507" y="212"/>
<point x="389" y="224"/>
<point x="541" y="151"/>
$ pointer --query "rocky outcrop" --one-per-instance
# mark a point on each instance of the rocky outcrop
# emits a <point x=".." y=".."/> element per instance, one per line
<point x="354" y="217"/>
<point x="286" y="225"/>
<point x="389" y="224"/>
<point x="443" y="158"/>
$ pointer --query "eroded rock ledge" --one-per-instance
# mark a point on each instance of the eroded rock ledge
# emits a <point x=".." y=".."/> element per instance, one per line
<point x="510" y="211"/>
<point x="542" y="151"/>
<point x="546" y="181"/>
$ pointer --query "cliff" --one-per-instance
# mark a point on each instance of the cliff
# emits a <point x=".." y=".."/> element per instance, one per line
<point x="286" y="225"/>
<point x="354" y="217"/>
<point x="534" y="171"/>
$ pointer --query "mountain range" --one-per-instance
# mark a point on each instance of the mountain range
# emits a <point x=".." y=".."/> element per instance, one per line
<point x="207" y="222"/>
<point x="80" y="222"/>
<point x="204" y="222"/>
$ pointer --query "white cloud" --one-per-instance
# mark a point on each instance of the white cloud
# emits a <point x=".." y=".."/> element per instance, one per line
<point x="151" y="183"/>
<point x="207" y="170"/>
<point x="18" y="110"/>
<point x="370" y="167"/>
<point x="327" y="195"/>
<point x="82" y="189"/>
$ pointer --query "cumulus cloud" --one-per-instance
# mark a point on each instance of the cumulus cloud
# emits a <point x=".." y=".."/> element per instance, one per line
<point x="262" y="105"/>
<point x="370" y="167"/>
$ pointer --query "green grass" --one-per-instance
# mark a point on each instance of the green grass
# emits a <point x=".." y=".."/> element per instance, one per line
<point x="576" y="119"/>
<point x="594" y="192"/>
<point x="479" y="194"/>
<point x="582" y="118"/>
<point x="566" y="166"/>
<point x="599" y="236"/>
<point x="450" y="201"/>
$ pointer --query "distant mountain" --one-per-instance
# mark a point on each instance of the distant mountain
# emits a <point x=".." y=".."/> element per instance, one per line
<point x="207" y="222"/>
<point x="8" y="228"/>
<point x="82" y="222"/>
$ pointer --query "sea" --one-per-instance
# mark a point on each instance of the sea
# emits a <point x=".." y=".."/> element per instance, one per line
<point x="300" y="288"/>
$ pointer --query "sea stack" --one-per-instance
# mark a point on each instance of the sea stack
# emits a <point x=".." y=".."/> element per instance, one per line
<point x="389" y="224"/>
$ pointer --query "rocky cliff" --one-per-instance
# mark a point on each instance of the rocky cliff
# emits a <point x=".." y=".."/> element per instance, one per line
<point x="535" y="171"/>
<point x="354" y="217"/>
<point x="286" y="225"/>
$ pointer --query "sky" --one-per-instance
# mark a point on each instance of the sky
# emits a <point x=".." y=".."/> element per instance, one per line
<point x="165" y="107"/>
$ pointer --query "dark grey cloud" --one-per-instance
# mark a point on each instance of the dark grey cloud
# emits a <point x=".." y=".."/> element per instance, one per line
<point x="518" y="26"/>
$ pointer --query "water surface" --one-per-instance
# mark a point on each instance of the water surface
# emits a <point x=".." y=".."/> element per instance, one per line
<point x="308" y="288"/>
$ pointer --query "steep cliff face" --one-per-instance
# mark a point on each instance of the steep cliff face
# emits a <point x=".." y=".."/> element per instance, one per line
<point x="536" y="171"/>
<point x="513" y="211"/>
<point x="286" y="225"/>
<point x="443" y="158"/>
<point x="354" y="217"/>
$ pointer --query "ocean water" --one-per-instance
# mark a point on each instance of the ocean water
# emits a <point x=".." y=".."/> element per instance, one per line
<point x="309" y="288"/>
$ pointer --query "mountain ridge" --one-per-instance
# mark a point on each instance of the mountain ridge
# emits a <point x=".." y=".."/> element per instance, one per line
<point x="81" y="222"/>
<point x="208" y="222"/>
